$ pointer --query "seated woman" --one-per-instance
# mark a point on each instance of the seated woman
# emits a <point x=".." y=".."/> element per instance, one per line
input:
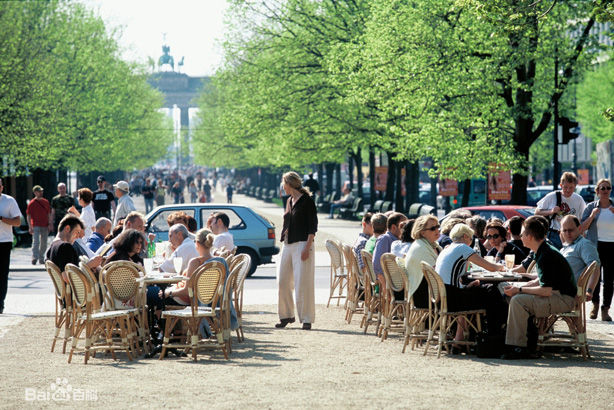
<point x="452" y="266"/>
<point x="425" y="248"/>
<point x="128" y="246"/>
<point x="178" y="294"/>
<point x="401" y="246"/>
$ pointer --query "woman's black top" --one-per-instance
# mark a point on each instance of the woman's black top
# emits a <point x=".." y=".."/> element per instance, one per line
<point x="300" y="220"/>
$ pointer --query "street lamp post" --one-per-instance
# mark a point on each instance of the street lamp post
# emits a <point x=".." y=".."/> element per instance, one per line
<point x="555" y="134"/>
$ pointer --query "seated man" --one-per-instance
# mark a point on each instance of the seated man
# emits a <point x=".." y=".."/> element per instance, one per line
<point x="218" y="223"/>
<point x="183" y="247"/>
<point x="378" y="224"/>
<point x="553" y="291"/>
<point x="383" y="246"/>
<point x="579" y="252"/>
<point x="514" y="226"/>
<point x="61" y="251"/>
<point x="363" y="237"/>
<point x="101" y="230"/>
<point x="345" y="200"/>
<point x="134" y="220"/>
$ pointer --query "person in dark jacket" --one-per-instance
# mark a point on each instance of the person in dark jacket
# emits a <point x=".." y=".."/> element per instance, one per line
<point x="297" y="263"/>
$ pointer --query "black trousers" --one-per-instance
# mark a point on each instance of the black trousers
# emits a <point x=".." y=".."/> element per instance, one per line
<point x="606" y="254"/>
<point x="5" y="262"/>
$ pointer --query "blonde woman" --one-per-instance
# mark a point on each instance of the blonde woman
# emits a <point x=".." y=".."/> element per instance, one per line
<point x="598" y="221"/>
<point x="297" y="263"/>
<point x="425" y="248"/>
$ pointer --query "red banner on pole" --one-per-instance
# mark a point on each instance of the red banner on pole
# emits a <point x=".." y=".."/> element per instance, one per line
<point x="448" y="187"/>
<point x="499" y="183"/>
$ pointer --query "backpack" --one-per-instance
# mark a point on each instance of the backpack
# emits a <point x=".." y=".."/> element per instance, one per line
<point x="559" y="200"/>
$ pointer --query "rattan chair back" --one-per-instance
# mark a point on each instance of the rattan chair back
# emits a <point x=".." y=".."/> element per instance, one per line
<point x="206" y="285"/>
<point x="367" y="259"/>
<point x="336" y="255"/>
<point x="437" y="290"/>
<point x="80" y="287"/>
<point x="120" y="280"/>
<point x="396" y="278"/>
<point x="56" y="278"/>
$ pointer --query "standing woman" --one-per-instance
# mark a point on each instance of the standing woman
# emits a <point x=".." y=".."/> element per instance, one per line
<point x="598" y="221"/>
<point x="297" y="265"/>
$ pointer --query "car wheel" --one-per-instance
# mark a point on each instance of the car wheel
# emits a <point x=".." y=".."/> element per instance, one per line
<point x="253" y="256"/>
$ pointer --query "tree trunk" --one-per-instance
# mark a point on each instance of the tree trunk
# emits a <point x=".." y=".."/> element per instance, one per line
<point x="330" y="169"/>
<point x="351" y="171"/>
<point x="356" y="158"/>
<point x="398" y="203"/>
<point x="338" y="177"/>
<point x="321" y="179"/>
<point x="412" y="183"/>
<point x="467" y="193"/>
<point x="389" y="194"/>
<point x="372" y="175"/>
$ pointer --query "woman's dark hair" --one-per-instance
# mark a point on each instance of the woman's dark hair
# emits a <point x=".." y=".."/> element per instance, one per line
<point x="126" y="240"/>
<point x="406" y="230"/>
<point x="114" y="233"/>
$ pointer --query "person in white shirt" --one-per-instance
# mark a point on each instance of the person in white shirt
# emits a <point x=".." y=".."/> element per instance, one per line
<point x="218" y="223"/>
<point x="124" y="203"/>
<point x="183" y="246"/>
<point x="570" y="204"/>
<point x="10" y="216"/>
<point x="87" y="215"/>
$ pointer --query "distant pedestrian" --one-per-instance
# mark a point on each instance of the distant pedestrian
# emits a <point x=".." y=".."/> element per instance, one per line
<point x="160" y="193"/>
<point x="313" y="185"/>
<point x="193" y="192"/>
<point x="38" y="214"/>
<point x="177" y="193"/>
<point x="296" y="268"/>
<point x="148" y="194"/>
<point x="60" y="204"/>
<point x="207" y="191"/>
<point x="229" y="191"/>
<point x="124" y="204"/>
<point x="10" y="216"/>
<point x="103" y="200"/>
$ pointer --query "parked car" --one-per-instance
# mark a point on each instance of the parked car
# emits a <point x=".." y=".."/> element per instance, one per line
<point x="587" y="192"/>
<point x="536" y="193"/>
<point x="502" y="212"/>
<point x="253" y="234"/>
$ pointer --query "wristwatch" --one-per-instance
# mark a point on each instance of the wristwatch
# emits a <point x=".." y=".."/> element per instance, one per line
<point x="589" y="290"/>
<point x="170" y="293"/>
<point x="519" y="289"/>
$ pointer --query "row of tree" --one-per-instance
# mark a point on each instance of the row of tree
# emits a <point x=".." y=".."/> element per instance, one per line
<point x="67" y="99"/>
<point x="464" y="82"/>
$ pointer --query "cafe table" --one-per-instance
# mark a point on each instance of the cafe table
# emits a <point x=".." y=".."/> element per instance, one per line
<point x="495" y="277"/>
<point x="155" y="277"/>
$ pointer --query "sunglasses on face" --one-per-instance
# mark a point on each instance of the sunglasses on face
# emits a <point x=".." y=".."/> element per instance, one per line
<point x="495" y="236"/>
<point x="432" y="228"/>
<point x="605" y="188"/>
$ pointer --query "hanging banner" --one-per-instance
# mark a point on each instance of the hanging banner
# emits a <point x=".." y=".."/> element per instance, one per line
<point x="499" y="183"/>
<point x="448" y="187"/>
<point x="403" y="190"/>
<point x="583" y="176"/>
<point x="381" y="177"/>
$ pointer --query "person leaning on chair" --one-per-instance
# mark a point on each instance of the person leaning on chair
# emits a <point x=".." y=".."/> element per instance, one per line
<point x="297" y="262"/>
<point x="552" y="292"/>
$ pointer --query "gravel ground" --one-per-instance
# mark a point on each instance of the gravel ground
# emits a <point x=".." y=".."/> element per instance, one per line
<point x="332" y="366"/>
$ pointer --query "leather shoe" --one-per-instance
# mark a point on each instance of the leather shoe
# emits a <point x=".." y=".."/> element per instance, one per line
<point x="284" y="322"/>
<point x="33" y="261"/>
<point x="605" y="316"/>
<point x="306" y="326"/>
<point x="515" y="353"/>
<point x="594" y="311"/>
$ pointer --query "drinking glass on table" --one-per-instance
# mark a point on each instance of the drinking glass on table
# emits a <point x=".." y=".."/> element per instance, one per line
<point x="177" y="263"/>
<point x="490" y="258"/>
<point x="148" y="264"/>
<point x="509" y="261"/>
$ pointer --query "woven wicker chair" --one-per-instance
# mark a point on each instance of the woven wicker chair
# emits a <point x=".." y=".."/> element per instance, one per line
<point x="355" y="284"/>
<point x="337" y="271"/>
<point x="100" y="328"/>
<point x="63" y="305"/>
<point x="373" y="300"/>
<point x="229" y="285"/>
<point x="94" y="284"/>
<point x="415" y="322"/>
<point x="440" y="320"/>
<point x="395" y="278"/>
<point x="205" y="287"/>
<point x="575" y="320"/>
<point x="124" y="292"/>
<point x="242" y="267"/>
